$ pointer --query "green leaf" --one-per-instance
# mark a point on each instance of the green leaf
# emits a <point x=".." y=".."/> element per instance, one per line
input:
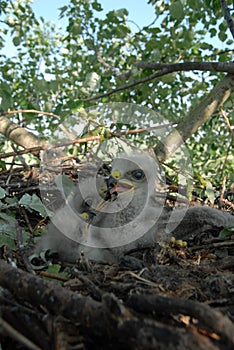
<point x="222" y="36"/>
<point x="3" y="5"/>
<point x="76" y="29"/>
<point x="169" y="78"/>
<point x="2" y="193"/>
<point x="177" y="11"/>
<point x="212" y="32"/>
<point x="96" y="6"/>
<point x="53" y="85"/>
<point x="2" y="165"/>
<point x="55" y="270"/>
<point x="7" y="229"/>
<point x="74" y="106"/>
<point x="227" y="232"/>
<point x="11" y="201"/>
<point x="16" y="40"/>
<point x="58" y="109"/>
<point x="62" y="10"/>
<point x="33" y="202"/>
<point x="40" y="85"/>
<point x="5" y="239"/>
<point x="122" y="13"/>
<point x="64" y="185"/>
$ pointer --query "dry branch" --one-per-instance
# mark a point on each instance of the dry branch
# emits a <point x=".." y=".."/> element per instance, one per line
<point x="109" y="323"/>
<point x="32" y="139"/>
<point x="19" y="135"/>
<point x="211" y="319"/>
<point x="227" y="67"/>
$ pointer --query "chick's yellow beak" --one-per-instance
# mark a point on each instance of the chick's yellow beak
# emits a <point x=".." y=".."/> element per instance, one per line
<point x="119" y="185"/>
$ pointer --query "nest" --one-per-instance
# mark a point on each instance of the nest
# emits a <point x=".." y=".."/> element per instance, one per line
<point x="175" y="295"/>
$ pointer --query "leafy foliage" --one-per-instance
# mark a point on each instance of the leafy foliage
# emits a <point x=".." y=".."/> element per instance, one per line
<point x="10" y="209"/>
<point x="59" y="69"/>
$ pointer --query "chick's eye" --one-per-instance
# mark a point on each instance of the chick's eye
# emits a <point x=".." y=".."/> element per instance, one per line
<point x="138" y="174"/>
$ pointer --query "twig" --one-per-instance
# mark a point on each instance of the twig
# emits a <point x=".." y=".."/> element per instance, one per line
<point x="228" y="203"/>
<point x="223" y="188"/>
<point x="21" y="159"/>
<point x="144" y="280"/>
<point x="224" y="115"/>
<point x="85" y="140"/>
<point x="226" y="244"/>
<point x="10" y="171"/>
<point x="53" y="276"/>
<point x="17" y="335"/>
<point x="29" y="111"/>
<point x="24" y="151"/>
<point x="127" y="86"/>
<point x="28" y="223"/>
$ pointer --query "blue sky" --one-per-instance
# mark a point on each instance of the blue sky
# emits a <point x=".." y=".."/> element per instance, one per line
<point x="139" y="11"/>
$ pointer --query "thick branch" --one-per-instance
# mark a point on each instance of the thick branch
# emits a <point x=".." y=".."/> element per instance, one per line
<point x="198" y="116"/>
<point x="164" y="69"/>
<point x="212" y="319"/>
<point x="19" y="135"/>
<point x="227" y="67"/>
<point x="109" y="322"/>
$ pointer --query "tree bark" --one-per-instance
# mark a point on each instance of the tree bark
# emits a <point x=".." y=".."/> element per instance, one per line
<point x="198" y="116"/>
<point x="140" y="323"/>
<point x="19" y="135"/>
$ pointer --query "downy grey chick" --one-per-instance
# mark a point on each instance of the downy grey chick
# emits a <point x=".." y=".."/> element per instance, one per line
<point x="135" y="218"/>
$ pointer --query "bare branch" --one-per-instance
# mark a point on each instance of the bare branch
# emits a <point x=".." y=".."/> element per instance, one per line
<point x="30" y="111"/>
<point x="213" y="319"/>
<point x="128" y="86"/>
<point x="227" y="67"/>
<point x="81" y="140"/>
<point x="166" y="69"/>
<point x="224" y="115"/>
<point x="227" y="16"/>
<point x="19" y="135"/>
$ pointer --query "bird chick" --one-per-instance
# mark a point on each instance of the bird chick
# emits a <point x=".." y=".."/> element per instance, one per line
<point x="68" y="227"/>
<point x="136" y="218"/>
